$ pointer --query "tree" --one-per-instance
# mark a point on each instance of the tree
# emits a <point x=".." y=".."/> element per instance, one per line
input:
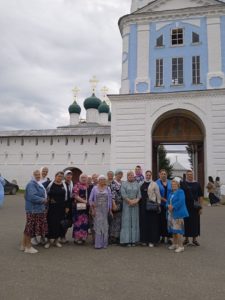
<point x="164" y="162"/>
<point x="190" y="152"/>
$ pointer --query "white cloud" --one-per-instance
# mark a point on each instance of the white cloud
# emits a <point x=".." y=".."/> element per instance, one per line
<point x="48" y="47"/>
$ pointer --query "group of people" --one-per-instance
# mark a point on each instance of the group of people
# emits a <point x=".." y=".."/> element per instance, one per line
<point x="127" y="213"/>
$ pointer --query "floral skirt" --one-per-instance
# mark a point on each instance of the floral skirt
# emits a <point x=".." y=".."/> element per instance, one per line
<point x="36" y="225"/>
<point x="80" y="225"/>
<point x="175" y="226"/>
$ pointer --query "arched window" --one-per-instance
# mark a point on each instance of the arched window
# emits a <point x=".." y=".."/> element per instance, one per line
<point x="82" y="141"/>
<point x="22" y="141"/>
<point x="36" y="141"/>
<point x="51" y="141"/>
<point x="96" y="140"/>
<point x="66" y="141"/>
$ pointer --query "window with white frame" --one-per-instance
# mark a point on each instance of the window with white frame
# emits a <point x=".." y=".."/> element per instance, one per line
<point x="159" y="72"/>
<point x="177" y="70"/>
<point x="177" y="36"/>
<point x="196" y="70"/>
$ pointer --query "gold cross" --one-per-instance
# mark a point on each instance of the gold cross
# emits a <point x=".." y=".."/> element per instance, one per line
<point x="94" y="82"/>
<point x="105" y="91"/>
<point x="75" y="91"/>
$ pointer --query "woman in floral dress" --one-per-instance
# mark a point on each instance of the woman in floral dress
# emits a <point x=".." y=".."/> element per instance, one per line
<point x="80" y="210"/>
<point x="117" y="205"/>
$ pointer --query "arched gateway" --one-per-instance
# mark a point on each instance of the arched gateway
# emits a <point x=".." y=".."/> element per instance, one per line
<point x="180" y="127"/>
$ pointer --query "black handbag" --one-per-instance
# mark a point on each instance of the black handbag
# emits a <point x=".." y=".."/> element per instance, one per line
<point x="153" y="206"/>
<point x="197" y="205"/>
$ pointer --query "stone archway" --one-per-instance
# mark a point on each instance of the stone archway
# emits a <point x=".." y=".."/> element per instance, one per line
<point x="76" y="173"/>
<point x="180" y="127"/>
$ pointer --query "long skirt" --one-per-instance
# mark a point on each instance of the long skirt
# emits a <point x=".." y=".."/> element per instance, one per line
<point x="115" y="225"/>
<point x="56" y="214"/>
<point x="150" y="227"/>
<point x="192" y="224"/>
<point x="36" y="225"/>
<point x="163" y="223"/>
<point x="80" y="224"/>
<point x="175" y="226"/>
<point x="130" y="225"/>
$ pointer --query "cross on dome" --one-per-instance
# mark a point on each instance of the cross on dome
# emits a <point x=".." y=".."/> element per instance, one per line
<point x="94" y="82"/>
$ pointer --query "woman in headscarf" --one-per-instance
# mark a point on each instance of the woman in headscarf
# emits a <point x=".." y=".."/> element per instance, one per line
<point x="68" y="184"/>
<point x="177" y="211"/>
<point x="56" y="211"/>
<point x="100" y="202"/>
<point x="117" y="205"/>
<point x="131" y="195"/>
<point x="36" y="223"/>
<point x="80" y="210"/>
<point x="44" y="177"/>
<point x="149" y="220"/>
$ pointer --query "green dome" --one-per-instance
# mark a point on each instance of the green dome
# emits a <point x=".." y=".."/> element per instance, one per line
<point x="92" y="102"/>
<point x="109" y="117"/>
<point x="103" y="108"/>
<point x="74" y="108"/>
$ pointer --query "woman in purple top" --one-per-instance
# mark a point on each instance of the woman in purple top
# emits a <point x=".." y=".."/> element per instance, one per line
<point x="100" y="202"/>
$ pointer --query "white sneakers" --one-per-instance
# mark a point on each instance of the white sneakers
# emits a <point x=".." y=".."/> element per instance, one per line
<point x="49" y="243"/>
<point x="30" y="250"/>
<point x="179" y="249"/>
<point x="176" y="248"/>
<point x="34" y="241"/>
<point x="151" y="245"/>
<point x="173" y="247"/>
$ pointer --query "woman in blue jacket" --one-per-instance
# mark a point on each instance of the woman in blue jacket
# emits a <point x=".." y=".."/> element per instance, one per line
<point x="36" y="223"/>
<point x="2" y="193"/>
<point x="177" y="211"/>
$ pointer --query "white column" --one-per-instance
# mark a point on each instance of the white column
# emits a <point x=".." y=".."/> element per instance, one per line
<point x="103" y="118"/>
<point x="214" y="51"/>
<point x="143" y="58"/>
<point x="125" y="80"/>
<point x="92" y="115"/>
<point x="74" y="119"/>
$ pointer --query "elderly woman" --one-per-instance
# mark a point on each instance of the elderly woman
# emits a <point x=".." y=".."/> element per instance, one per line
<point x="110" y="177"/>
<point x="80" y="210"/>
<point x="68" y="185"/>
<point x="177" y="211"/>
<point x="149" y="219"/>
<point x="130" y="191"/>
<point x="100" y="202"/>
<point x="44" y="177"/>
<point x="117" y="205"/>
<point x="2" y="192"/>
<point x="56" y="210"/>
<point x="36" y="224"/>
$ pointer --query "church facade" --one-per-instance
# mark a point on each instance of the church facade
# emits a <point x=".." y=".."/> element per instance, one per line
<point x="172" y="92"/>
<point x="173" y="84"/>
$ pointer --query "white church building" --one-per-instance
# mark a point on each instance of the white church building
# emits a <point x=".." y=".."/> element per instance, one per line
<point x="172" y="92"/>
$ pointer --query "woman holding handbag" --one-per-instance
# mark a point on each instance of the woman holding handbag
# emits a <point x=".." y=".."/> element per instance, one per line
<point x="80" y="210"/>
<point x="149" y="209"/>
<point x="177" y="211"/>
<point x="100" y="202"/>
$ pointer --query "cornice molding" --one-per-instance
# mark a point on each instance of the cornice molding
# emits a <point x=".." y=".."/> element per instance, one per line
<point x="167" y="96"/>
<point x="146" y="17"/>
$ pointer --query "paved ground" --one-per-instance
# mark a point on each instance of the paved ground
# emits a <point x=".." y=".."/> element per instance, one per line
<point x="76" y="272"/>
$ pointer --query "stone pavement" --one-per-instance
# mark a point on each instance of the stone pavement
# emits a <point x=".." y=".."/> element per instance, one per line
<point x="80" y="272"/>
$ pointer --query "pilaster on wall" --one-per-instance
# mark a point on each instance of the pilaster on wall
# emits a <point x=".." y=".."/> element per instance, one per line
<point x="215" y="76"/>
<point x="142" y="84"/>
<point x="125" y="63"/>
